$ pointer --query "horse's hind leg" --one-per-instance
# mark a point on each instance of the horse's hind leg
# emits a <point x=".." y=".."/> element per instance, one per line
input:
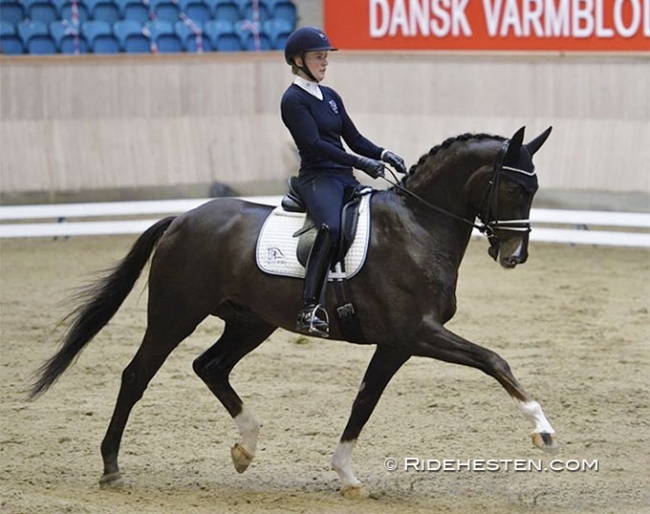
<point x="444" y="345"/>
<point x="158" y="343"/>
<point x="214" y="366"/>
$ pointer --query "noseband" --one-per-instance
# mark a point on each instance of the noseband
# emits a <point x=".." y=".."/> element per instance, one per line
<point x="487" y="226"/>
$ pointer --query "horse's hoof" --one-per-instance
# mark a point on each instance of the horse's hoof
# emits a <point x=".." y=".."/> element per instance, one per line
<point x="240" y="458"/>
<point x="545" y="441"/>
<point x="111" y="481"/>
<point x="357" y="491"/>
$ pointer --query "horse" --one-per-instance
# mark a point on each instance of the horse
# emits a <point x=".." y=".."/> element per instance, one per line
<point x="203" y="264"/>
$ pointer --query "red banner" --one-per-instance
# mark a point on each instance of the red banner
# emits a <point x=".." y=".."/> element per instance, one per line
<point x="555" y="25"/>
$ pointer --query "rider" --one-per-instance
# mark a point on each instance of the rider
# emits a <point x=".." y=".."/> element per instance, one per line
<point x="317" y="120"/>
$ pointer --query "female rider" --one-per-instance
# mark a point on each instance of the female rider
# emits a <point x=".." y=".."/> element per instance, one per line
<point x="317" y="120"/>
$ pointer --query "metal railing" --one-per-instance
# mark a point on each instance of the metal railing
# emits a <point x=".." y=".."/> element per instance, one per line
<point x="60" y="220"/>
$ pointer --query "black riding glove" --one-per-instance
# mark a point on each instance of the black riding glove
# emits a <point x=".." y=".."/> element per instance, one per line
<point x="372" y="167"/>
<point x="394" y="160"/>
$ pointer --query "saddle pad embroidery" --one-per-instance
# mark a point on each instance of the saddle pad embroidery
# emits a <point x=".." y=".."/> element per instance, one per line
<point x="276" y="246"/>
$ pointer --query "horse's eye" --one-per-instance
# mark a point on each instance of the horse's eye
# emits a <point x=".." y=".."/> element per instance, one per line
<point x="512" y="189"/>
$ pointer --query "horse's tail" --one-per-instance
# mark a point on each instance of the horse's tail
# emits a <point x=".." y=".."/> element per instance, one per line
<point x="99" y="301"/>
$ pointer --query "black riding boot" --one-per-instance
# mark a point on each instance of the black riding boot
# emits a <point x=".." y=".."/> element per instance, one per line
<point x="312" y="319"/>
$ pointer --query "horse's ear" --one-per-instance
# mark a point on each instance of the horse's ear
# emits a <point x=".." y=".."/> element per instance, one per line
<point x="536" y="143"/>
<point x="514" y="146"/>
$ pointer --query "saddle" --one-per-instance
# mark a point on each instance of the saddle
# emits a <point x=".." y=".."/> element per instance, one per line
<point x="278" y="253"/>
<point x="292" y="202"/>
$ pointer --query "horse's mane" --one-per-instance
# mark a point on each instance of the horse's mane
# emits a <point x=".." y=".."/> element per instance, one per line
<point x="468" y="136"/>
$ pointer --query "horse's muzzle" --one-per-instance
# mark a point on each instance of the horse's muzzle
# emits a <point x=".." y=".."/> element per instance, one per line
<point x="510" y="252"/>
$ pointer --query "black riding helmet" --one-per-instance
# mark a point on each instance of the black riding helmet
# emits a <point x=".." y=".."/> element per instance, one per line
<point x="306" y="39"/>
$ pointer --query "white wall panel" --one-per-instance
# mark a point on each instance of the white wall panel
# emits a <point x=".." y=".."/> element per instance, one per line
<point x="77" y="123"/>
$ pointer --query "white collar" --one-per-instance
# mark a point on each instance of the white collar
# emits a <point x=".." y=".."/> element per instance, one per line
<point x="309" y="86"/>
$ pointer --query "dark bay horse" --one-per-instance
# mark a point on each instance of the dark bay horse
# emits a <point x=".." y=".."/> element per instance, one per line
<point x="204" y="264"/>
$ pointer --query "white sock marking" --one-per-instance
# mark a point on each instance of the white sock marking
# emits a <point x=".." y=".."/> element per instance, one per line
<point x="249" y="429"/>
<point x="532" y="411"/>
<point x="341" y="463"/>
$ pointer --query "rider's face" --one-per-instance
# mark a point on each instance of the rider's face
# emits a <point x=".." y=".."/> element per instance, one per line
<point x="316" y="62"/>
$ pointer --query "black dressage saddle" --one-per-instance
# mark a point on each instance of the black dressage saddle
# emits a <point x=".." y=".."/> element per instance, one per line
<point x="292" y="202"/>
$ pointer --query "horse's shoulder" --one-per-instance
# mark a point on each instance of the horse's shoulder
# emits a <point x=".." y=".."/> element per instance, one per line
<point x="387" y="207"/>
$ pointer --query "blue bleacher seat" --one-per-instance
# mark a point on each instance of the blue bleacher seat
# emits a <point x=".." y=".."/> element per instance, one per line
<point x="254" y="10"/>
<point x="75" y="11"/>
<point x="103" y="10"/>
<point x="278" y="30"/>
<point x="68" y="37"/>
<point x="10" y="42"/>
<point x="12" y="11"/>
<point x="100" y="37"/>
<point x="167" y="10"/>
<point x="223" y="36"/>
<point x="192" y="37"/>
<point x="197" y="10"/>
<point x="137" y="10"/>
<point x="36" y="38"/>
<point x="133" y="39"/>
<point x="227" y="10"/>
<point x="164" y="37"/>
<point x="284" y="9"/>
<point x="40" y="10"/>
<point x="252" y="37"/>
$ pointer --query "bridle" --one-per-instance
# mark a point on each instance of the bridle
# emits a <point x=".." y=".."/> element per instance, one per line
<point x="488" y="226"/>
<point x="492" y="198"/>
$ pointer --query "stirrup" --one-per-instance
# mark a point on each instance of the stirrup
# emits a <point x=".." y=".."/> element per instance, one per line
<point x="310" y="323"/>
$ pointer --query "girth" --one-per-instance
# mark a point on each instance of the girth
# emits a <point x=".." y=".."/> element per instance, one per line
<point x="293" y="202"/>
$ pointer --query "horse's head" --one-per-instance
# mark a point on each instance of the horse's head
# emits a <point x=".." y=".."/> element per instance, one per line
<point x="506" y="209"/>
<point x="486" y="176"/>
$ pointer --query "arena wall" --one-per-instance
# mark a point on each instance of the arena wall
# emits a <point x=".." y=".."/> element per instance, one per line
<point x="70" y="125"/>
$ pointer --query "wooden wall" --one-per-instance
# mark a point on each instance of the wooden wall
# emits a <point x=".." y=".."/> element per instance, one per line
<point x="108" y="122"/>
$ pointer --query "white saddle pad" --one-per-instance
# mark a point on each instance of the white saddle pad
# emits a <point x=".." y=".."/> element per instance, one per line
<point x="276" y="246"/>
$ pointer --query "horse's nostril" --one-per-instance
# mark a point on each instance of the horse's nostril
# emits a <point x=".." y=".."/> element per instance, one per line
<point x="510" y="262"/>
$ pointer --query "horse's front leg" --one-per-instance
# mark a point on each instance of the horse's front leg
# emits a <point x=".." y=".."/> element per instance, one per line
<point x="384" y="364"/>
<point x="439" y="343"/>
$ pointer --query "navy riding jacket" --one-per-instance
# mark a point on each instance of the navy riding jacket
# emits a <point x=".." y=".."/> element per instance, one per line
<point x="317" y="127"/>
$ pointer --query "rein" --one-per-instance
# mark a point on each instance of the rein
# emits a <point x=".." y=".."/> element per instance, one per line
<point x="488" y="228"/>
<point x="482" y="228"/>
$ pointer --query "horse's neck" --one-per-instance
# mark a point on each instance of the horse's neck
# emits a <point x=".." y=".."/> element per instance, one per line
<point x="414" y="224"/>
<point x="449" y="183"/>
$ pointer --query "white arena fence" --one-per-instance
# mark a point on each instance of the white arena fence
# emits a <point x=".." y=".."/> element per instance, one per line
<point x="54" y="220"/>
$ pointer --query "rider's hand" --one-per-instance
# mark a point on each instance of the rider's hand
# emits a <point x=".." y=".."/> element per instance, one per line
<point x="394" y="160"/>
<point x="372" y="167"/>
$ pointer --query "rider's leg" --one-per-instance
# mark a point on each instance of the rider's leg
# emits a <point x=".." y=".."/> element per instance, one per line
<point x="323" y="194"/>
<point x="312" y="319"/>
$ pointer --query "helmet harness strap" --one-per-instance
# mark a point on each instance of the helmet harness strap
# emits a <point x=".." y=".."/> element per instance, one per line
<point x="304" y="67"/>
